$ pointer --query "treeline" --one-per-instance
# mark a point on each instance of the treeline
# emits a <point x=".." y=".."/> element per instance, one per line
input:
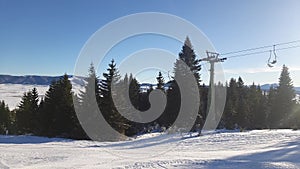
<point x="247" y="107"/>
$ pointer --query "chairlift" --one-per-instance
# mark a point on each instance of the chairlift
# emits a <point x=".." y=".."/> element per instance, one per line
<point x="274" y="53"/>
<point x="271" y="63"/>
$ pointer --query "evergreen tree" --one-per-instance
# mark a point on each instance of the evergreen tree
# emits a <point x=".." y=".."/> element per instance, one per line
<point x="284" y="100"/>
<point x="57" y="113"/>
<point x="160" y="82"/>
<point x="204" y="91"/>
<point x="35" y="113"/>
<point x="129" y="86"/>
<point x="188" y="55"/>
<point x="173" y="106"/>
<point x="134" y="91"/>
<point x="69" y="119"/>
<point x="242" y="104"/>
<point x="230" y="114"/>
<point x="257" y="102"/>
<point x="5" y="120"/>
<point x="89" y="100"/>
<point x="271" y="97"/>
<point x="27" y="113"/>
<point x="108" y="110"/>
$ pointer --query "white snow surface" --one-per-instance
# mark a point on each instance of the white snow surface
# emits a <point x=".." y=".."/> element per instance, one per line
<point x="266" y="149"/>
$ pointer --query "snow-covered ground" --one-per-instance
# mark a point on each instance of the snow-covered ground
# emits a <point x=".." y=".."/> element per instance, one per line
<point x="276" y="149"/>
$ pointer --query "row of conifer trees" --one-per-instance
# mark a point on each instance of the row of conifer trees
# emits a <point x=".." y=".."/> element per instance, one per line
<point x="247" y="107"/>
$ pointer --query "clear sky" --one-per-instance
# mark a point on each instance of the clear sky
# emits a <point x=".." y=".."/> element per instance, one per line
<point x="45" y="37"/>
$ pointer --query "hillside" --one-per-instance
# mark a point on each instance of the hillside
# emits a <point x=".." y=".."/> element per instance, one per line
<point x="13" y="87"/>
<point x="12" y="90"/>
<point x="28" y="79"/>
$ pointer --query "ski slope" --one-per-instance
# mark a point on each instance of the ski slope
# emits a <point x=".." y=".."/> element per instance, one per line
<point x="276" y="149"/>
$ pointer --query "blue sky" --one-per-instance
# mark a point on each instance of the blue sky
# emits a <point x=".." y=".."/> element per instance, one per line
<point x="45" y="37"/>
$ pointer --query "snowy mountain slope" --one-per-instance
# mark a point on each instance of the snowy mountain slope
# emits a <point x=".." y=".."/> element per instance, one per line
<point x="277" y="149"/>
<point x="12" y="93"/>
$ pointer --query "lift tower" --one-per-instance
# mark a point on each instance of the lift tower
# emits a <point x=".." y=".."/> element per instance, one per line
<point x="212" y="58"/>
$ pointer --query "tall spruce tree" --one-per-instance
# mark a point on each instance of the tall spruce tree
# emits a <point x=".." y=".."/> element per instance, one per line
<point x="271" y="101"/>
<point x="186" y="63"/>
<point x="5" y="120"/>
<point x="108" y="110"/>
<point x="257" y="102"/>
<point x="284" y="101"/>
<point x="160" y="81"/>
<point x="230" y="114"/>
<point x="134" y="91"/>
<point x="57" y="114"/>
<point x="242" y="104"/>
<point x="188" y="56"/>
<point x="129" y="86"/>
<point x="35" y="111"/>
<point x="27" y="113"/>
<point x="88" y="105"/>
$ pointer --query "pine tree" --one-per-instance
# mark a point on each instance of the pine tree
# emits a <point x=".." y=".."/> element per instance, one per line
<point x="88" y="105"/>
<point x="204" y="91"/>
<point x="271" y="101"/>
<point x="230" y="114"/>
<point x="58" y="116"/>
<point x="108" y="110"/>
<point x="134" y="91"/>
<point x="173" y="106"/>
<point x="188" y="56"/>
<point x="69" y="121"/>
<point x="27" y="113"/>
<point x="261" y="115"/>
<point x="284" y="100"/>
<point x="35" y="109"/>
<point x="242" y="104"/>
<point x="5" y="120"/>
<point x="129" y="86"/>
<point x="187" y="63"/>
<point x="257" y="108"/>
<point x="160" y="82"/>
<point x="47" y="108"/>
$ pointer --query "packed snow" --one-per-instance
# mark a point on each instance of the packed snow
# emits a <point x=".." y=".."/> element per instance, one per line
<point x="266" y="149"/>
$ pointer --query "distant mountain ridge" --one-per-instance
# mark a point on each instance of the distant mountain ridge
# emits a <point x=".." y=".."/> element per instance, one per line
<point x="46" y="80"/>
<point x="28" y="79"/>
<point x="266" y="87"/>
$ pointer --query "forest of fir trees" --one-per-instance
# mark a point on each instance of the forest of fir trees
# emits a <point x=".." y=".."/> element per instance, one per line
<point x="246" y="108"/>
